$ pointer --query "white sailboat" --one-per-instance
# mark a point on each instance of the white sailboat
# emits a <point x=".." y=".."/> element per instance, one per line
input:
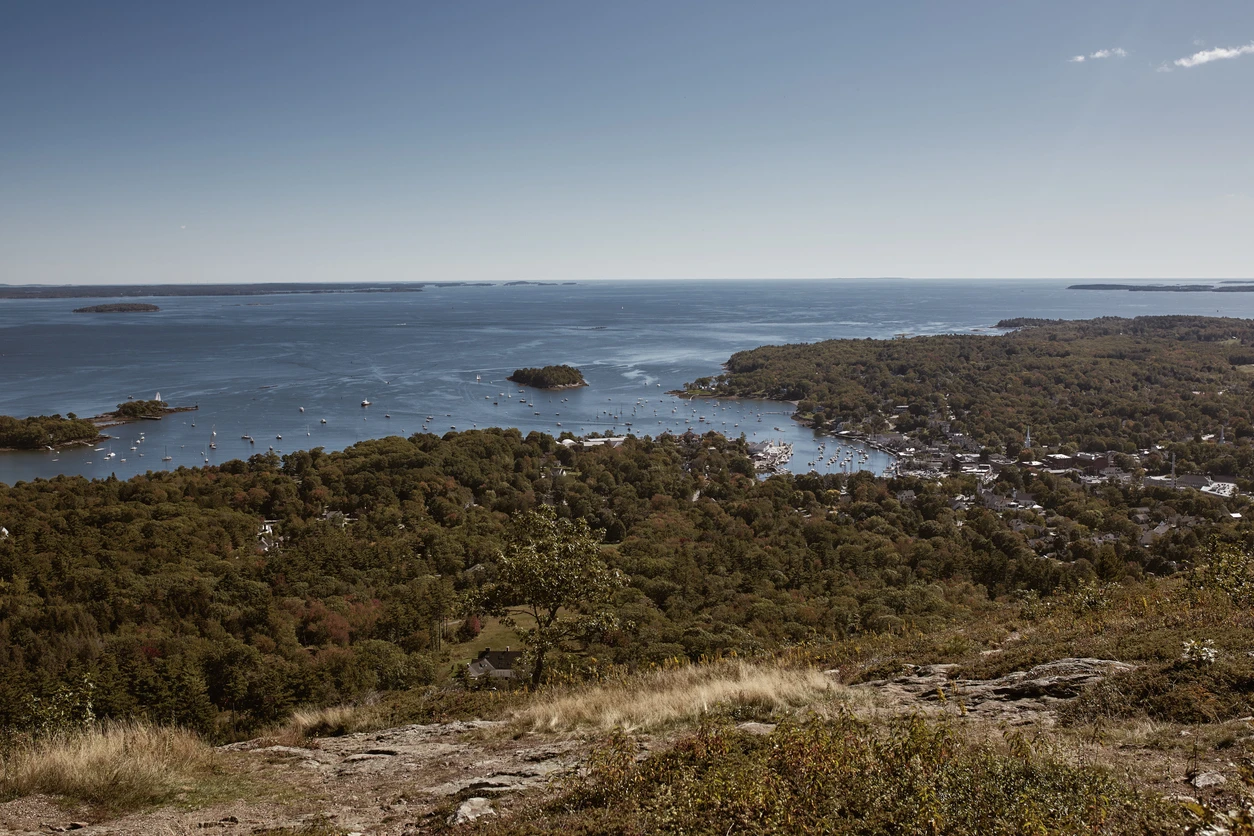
<point x="213" y="438"/>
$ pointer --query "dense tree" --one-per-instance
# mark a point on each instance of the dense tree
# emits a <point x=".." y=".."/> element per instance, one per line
<point x="550" y="575"/>
<point x="44" y="431"/>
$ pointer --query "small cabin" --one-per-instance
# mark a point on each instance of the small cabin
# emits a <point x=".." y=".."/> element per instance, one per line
<point x="498" y="664"/>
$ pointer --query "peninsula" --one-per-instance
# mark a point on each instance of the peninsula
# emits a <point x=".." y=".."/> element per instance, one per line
<point x="1232" y="287"/>
<point x="1138" y="391"/>
<point x="40" y="432"/>
<point x="122" y="307"/>
<point x="549" y="377"/>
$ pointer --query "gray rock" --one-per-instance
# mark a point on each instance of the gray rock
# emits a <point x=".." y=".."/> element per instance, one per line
<point x="1208" y="779"/>
<point x="288" y="751"/>
<point x="471" y="809"/>
<point x="1014" y="697"/>
<point x="756" y="728"/>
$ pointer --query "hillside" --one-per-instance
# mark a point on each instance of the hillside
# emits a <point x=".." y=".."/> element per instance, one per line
<point x="960" y="729"/>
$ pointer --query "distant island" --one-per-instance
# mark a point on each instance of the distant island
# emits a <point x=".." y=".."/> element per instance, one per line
<point x="1233" y="287"/>
<point x="121" y="307"/>
<point x="549" y="377"/>
<point x="537" y="284"/>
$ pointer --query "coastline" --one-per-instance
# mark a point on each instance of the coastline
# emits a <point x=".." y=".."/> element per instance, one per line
<point x="103" y="421"/>
<point x="112" y="419"/>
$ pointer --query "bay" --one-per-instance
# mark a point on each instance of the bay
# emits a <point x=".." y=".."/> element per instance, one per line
<point x="439" y="358"/>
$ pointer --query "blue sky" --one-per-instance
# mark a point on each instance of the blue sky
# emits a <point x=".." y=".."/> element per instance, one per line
<point x="311" y="141"/>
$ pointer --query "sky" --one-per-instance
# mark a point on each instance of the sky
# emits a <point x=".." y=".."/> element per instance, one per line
<point x="498" y="141"/>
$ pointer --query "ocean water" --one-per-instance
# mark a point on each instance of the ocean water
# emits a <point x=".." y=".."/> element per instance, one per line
<point x="438" y="359"/>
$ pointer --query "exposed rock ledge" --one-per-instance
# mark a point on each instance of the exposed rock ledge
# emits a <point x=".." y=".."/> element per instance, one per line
<point x="1018" y="697"/>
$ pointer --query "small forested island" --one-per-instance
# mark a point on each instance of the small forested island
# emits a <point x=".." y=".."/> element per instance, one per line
<point x="122" y="307"/>
<point x="139" y="409"/>
<point x="133" y="410"/>
<point x="549" y="377"/>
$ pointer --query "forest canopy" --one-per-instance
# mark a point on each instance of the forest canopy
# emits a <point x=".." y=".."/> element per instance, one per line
<point x="40" y="431"/>
<point x="221" y="598"/>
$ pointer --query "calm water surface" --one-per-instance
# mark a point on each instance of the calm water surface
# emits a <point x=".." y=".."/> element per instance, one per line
<point x="438" y="359"/>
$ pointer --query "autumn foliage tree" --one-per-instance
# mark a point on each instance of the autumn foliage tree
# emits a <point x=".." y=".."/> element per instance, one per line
<point x="550" y="583"/>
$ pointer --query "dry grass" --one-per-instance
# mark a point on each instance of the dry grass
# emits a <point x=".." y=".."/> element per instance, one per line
<point x="119" y="766"/>
<point x="665" y="697"/>
<point x="333" y="721"/>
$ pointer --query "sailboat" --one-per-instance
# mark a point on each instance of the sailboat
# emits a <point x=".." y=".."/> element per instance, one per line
<point x="167" y="457"/>
<point x="213" y="439"/>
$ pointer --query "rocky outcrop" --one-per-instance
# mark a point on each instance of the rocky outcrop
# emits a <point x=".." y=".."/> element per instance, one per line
<point x="1021" y="696"/>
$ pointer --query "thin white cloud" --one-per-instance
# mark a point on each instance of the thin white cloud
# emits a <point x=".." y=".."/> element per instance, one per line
<point x="1114" y="52"/>
<point x="1219" y="53"/>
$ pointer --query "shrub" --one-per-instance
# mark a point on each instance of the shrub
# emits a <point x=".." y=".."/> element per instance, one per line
<point x="1230" y="570"/>
<point x="1180" y="692"/>
<point x="841" y="776"/>
<point x="469" y="629"/>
